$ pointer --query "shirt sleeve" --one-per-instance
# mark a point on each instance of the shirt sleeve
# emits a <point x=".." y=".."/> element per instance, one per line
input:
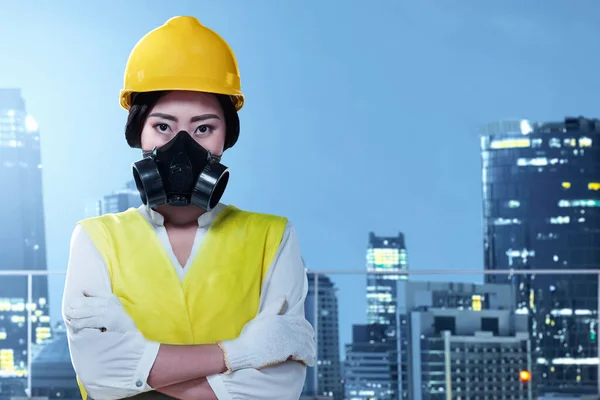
<point x="110" y="365"/>
<point x="286" y="277"/>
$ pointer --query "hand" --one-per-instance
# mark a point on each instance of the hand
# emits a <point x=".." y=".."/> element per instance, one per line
<point x="99" y="312"/>
<point x="269" y="339"/>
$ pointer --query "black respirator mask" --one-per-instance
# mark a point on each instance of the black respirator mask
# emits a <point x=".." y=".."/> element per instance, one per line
<point x="180" y="173"/>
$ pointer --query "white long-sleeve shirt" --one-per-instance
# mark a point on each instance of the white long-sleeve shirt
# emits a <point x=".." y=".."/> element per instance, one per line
<point x="115" y="365"/>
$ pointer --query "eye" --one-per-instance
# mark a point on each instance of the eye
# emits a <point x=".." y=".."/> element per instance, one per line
<point x="204" y="129"/>
<point x="162" y="128"/>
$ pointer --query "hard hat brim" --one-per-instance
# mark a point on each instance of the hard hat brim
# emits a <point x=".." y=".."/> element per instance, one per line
<point x="125" y="97"/>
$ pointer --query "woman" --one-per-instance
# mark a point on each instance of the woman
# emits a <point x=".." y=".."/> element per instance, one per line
<point x="184" y="296"/>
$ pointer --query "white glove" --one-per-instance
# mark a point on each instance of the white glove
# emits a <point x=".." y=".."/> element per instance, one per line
<point x="98" y="312"/>
<point x="269" y="339"/>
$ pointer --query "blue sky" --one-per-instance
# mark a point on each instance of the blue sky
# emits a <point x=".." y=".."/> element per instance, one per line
<point x="358" y="116"/>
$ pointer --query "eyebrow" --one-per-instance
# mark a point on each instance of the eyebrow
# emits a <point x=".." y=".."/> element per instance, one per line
<point x="196" y="118"/>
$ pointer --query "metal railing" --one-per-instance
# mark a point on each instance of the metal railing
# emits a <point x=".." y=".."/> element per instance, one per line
<point x="318" y="273"/>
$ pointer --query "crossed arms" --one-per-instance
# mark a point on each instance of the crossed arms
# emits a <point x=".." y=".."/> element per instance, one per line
<point x="120" y="362"/>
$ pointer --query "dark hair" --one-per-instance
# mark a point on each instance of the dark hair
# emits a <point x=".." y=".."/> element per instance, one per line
<point x="142" y="103"/>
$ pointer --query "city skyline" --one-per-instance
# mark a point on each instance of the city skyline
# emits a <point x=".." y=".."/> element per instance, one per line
<point x="406" y="84"/>
<point x="388" y="255"/>
<point x="469" y="64"/>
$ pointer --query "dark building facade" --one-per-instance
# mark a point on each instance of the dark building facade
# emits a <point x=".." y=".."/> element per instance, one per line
<point x="321" y="302"/>
<point x="541" y="209"/>
<point x="370" y="360"/>
<point x="485" y="349"/>
<point x="22" y="235"/>
<point x="52" y="370"/>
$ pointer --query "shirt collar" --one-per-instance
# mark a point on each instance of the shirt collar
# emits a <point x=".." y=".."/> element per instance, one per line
<point x="205" y="219"/>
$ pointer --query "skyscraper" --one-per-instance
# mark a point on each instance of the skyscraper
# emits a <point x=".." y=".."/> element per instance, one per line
<point x="372" y="358"/>
<point x="541" y="205"/>
<point x="384" y="254"/>
<point x="322" y="302"/>
<point x="21" y="234"/>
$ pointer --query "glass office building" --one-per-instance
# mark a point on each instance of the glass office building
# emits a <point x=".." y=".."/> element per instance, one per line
<point x="22" y="236"/>
<point x="321" y="310"/>
<point x="541" y="211"/>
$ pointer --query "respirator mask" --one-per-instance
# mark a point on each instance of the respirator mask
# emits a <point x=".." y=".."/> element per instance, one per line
<point x="180" y="173"/>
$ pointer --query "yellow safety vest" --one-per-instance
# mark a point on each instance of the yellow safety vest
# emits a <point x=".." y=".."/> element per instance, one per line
<point x="219" y="294"/>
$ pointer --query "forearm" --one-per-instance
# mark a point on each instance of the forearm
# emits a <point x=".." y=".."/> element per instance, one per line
<point x="197" y="389"/>
<point x="281" y="381"/>
<point x="111" y="365"/>
<point x="180" y="364"/>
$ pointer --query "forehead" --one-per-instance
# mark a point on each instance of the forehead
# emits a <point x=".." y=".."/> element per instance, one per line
<point x="183" y="102"/>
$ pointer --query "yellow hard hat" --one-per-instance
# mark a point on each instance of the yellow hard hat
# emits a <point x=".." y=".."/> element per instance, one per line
<point x="182" y="55"/>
